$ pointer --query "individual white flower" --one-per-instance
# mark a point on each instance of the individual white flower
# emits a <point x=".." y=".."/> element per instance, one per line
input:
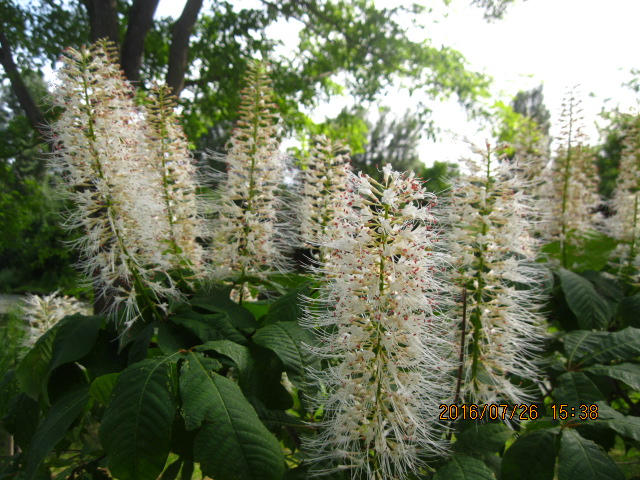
<point x="41" y="313"/>
<point x="499" y="284"/>
<point x="102" y="153"/>
<point x="569" y="197"/>
<point x="248" y="238"/>
<point x="380" y="325"/>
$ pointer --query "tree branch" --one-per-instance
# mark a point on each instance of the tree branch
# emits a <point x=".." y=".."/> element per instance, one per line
<point x="140" y="22"/>
<point x="103" y="19"/>
<point x="179" y="51"/>
<point x="31" y="109"/>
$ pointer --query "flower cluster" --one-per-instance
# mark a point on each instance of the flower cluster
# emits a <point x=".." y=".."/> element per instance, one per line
<point x="624" y="224"/>
<point x="325" y="179"/>
<point x="248" y="237"/>
<point x="102" y="151"/>
<point x="571" y="195"/>
<point x="381" y="327"/>
<point x="41" y="313"/>
<point x="178" y="172"/>
<point x="498" y="284"/>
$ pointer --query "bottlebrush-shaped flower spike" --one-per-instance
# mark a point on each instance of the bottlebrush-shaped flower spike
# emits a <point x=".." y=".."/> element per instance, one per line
<point x="624" y="224"/>
<point x="101" y="152"/>
<point x="570" y="196"/>
<point x="249" y="240"/>
<point x="178" y="173"/>
<point x="325" y="179"/>
<point x="41" y="313"/>
<point x="379" y="325"/>
<point x="498" y="283"/>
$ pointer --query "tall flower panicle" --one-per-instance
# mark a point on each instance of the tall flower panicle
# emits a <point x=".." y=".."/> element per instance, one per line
<point x="379" y="323"/>
<point x="248" y="236"/>
<point x="624" y="223"/>
<point x="41" y="313"/>
<point x="178" y="174"/>
<point x="101" y="151"/>
<point x="498" y="283"/>
<point x="570" y="196"/>
<point x="325" y="179"/>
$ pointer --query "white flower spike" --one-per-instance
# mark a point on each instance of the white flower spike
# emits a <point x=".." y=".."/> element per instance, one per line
<point x="380" y="326"/>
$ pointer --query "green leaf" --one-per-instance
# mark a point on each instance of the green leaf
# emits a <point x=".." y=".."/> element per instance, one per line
<point x="287" y="307"/>
<point x="102" y="387"/>
<point x="575" y="389"/>
<point x="483" y="438"/>
<point x="22" y="419"/>
<point x="239" y="354"/>
<point x="591" y="310"/>
<point x="34" y="367"/>
<point x="628" y="427"/>
<point x="588" y="348"/>
<point x="287" y="340"/>
<point x="259" y="371"/>
<point x="531" y="457"/>
<point x="232" y="443"/>
<point x="54" y="427"/>
<point x="75" y="338"/>
<point x="208" y="326"/>
<point x="464" y="467"/>
<point x="136" y="428"/>
<point x="584" y="459"/>
<point x="628" y="373"/>
<point x="218" y="301"/>
<point x="606" y="284"/>
<point x="172" y="337"/>
<point x="629" y="311"/>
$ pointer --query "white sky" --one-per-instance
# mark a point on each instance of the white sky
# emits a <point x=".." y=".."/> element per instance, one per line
<point x="559" y="43"/>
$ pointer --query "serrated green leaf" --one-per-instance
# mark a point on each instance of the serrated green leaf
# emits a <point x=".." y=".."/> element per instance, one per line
<point x="483" y="438"/>
<point x="75" y="338"/>
<point x="34" y="367"/>
<point x="627" y="426"/>
<point x="22" y="419"/>
<point x="232" y="443"/>
<point x="259" y="371"/>
<point x="629" y="311"/>
<point x="218" y="301"/>
<point x="102" y="387"/>
<point x="288" y="340"/>
<point x="136" y="428"/>
<point x="575" y="389"/>
<point x="591" y="310"/>
<point x="172" y="338"/>
<point x="208" y="327"/>
<point x="239" y="354"/>
<point x="588" y="348"/>
<point x="464" y="467"/>
<point x="628" y="373"/>
<point x="54" y="427"/>
<point x="531" y="457"/>
<point x="584" y="459"/>
<point x="608" y="285"/>
<point x="287" y="307"/>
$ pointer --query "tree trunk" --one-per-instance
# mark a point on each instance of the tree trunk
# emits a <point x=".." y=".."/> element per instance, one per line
<point x="140" y="22"/>
<point x="31" y="109"/>
<point x="103" y="19"/>
<point x="179" y="51"/>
